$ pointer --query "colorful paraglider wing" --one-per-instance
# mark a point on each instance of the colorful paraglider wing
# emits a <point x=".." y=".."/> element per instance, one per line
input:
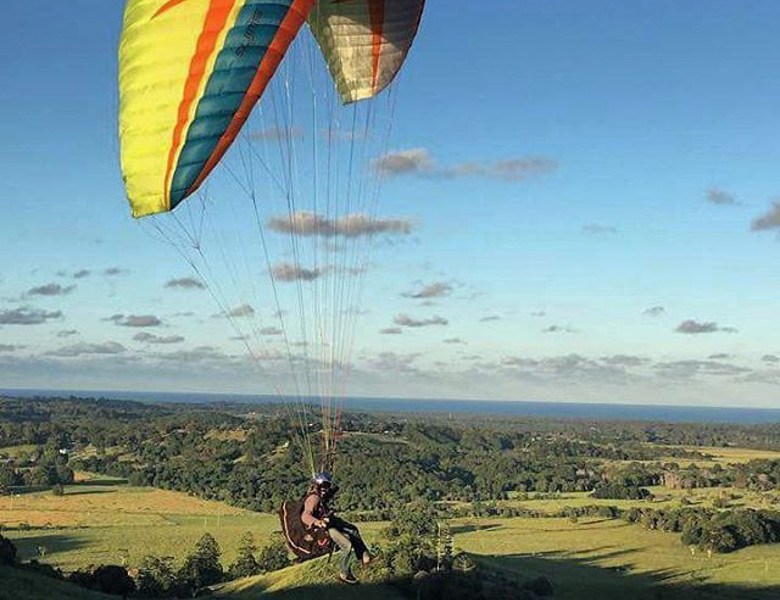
<point x="190" y="72"/>
<point x="365" y="42"/>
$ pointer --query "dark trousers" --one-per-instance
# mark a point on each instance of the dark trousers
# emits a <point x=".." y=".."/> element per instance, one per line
<point x="347" y="537"/>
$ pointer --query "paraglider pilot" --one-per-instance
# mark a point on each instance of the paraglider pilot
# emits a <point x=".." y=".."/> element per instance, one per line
<point x="317" y="514"/>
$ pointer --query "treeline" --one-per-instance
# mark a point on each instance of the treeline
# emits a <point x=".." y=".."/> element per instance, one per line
<point x="758" y="475"/>
<point x="718" y="531"/>
<point x="712" y="530"/>
<point x="160" y="577"/>
<point x="247" y="455"/>
<point x="45" y="466"/>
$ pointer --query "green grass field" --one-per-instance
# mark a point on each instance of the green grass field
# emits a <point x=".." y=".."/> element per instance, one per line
<point x="663" y="498"/>
<point x="733" y="455"/>
<point x="16" y="451"/>
<point x="100" y="521"/>
<point x="611" y="559"/>
<point x="96" y="524"/>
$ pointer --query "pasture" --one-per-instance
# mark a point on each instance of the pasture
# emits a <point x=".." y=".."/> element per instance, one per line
<point x="102" y="521"/>
<point x="598" y="558"/>
<point x="109" y="522"/>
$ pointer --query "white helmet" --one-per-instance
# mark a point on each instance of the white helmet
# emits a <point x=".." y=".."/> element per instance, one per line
<point x="323" y="478"/>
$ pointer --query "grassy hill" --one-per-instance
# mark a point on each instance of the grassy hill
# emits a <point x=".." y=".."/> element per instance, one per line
<point x="294" y="583"/>
<point x="316" y="579"/>
<point x="18" y="584"/>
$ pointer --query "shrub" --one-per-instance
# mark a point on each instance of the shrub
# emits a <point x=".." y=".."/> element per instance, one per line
<point x="246" y="564"/>
<point x="7" y="551"/>
<point x="273" y="556"/>
<point x="540" y="586"/>
<point x="616" y="491"/>
<point x="156" y="576"/>
<point x="109" y="579"/>
<point x="202" y="567"/>
<point x="112" y="579"/>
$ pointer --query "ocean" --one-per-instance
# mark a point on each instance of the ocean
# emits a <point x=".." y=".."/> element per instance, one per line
<point x="496" y="408"/>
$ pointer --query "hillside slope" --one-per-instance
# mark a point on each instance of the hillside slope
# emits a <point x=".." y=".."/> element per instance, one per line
<point x="19" y="584"/>
<point x="316" y="579"/>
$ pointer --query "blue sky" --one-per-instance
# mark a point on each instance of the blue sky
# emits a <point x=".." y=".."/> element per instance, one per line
<point x="623" y="259"/>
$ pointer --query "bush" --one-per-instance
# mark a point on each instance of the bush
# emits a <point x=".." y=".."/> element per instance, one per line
<point x="7" y="551"/>
<point x="109" y="579"/>
<point x="202" y="567"/>
<point x="409" y="554"/>
<point x="9" y="478"/>
<point x="274" y="556"/>
<point x="616" y="491"/>
<point x="113" y="579"/>
<point x="156" y="576"/>
<point x="720" y="538"/>
<point x="540" y="586"/>
<point x="246" y="564"/>
<point x="417" y="519"/>
<point x="42" y="569"/>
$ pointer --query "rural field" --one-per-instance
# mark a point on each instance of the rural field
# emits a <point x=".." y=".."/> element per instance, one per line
<point x="101" y="521"/>
<point x="606" y="558"/>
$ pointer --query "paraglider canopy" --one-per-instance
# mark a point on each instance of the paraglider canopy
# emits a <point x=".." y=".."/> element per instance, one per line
<point x="190" y="72"/>
<point x="296" y="211"/>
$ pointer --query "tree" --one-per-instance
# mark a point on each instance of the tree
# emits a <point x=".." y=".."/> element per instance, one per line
<point x="273" y="556"/>
<point x="720" y="538"/>
<point x="417" y="519"/>
<point x="156" y="576"/>
<point x="7" y="551"/>
<point x="8" y="478"/>
<point x="113" y="579"/>
<point x="202" y="567"/>
<point x="65" y="474"/>
<point x="246" y="564"/>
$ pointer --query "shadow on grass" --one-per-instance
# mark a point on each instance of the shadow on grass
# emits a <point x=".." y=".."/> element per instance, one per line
<point x="52" y="542"/>
<point x="583" y="579"/>
<point x="470" y="527"/>
<point x="23" y="490"/>
<point x="592" y="583"/>
<point x="103" y="482"/>
<point x="572" y="578"/>
<point x="80" y="492"/>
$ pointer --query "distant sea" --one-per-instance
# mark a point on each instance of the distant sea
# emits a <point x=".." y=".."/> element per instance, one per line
<point x="495" y="408"/>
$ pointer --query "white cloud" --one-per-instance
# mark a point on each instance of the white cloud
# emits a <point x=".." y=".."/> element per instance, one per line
<point x="309" y="224"/>
<point x="84" y="348"/>
<point x="418" y="161"/>
<point x="771" y="220"/>
<point x="185" y="283"/>
<point x="692" y="327"/>
<point x="407" y="321"/>
<point x="27" y="316"/>
<point x="437" y="289"/>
